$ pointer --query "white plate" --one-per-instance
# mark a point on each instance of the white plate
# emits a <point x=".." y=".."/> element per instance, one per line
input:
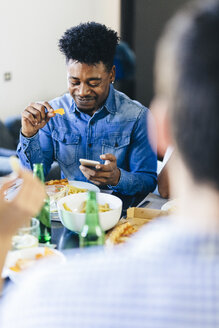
<point x="170" y="205"/>
<point x="84" y="185"/>
<point x="55" y="196"/>
<point x="29" y="254"/>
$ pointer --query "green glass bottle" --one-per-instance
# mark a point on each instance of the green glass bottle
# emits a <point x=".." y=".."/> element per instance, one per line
<point x="91" y="234"/>
<point x="44" y="215"/>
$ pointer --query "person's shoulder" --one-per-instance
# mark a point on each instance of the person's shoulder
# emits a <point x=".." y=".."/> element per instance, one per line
<point x="63" y="100"/>
<point x="128" y="105"/>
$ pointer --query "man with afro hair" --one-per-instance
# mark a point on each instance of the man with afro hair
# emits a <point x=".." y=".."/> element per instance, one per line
<point x="99" y="122"/>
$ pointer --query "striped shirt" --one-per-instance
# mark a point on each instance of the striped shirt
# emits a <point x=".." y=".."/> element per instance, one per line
<point x="164" y="277"/>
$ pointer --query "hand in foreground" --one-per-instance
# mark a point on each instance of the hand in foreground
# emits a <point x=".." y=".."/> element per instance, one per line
<point x="105" y="174"/>
<point x="23" y="206"/>
<point x="18" y="211"/>
<point x="34" y="118"/>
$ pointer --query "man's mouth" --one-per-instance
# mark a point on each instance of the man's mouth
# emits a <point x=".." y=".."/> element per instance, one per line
<point x="85" y="99"/>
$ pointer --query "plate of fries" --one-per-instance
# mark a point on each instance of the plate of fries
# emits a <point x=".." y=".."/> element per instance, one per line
<point x="57" y="189"/>
<point x="19" y="261"/>
<point x="83" y="185"/>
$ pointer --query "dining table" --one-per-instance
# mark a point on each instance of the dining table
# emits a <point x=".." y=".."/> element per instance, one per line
<point x="64" y="239"/>
<point x="67" y="241"/>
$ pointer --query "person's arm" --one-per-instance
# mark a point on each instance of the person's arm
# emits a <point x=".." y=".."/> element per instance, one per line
<point x="163" y="178"/>
<point x="141" y="160"/>
<point x="163" y="182"/>
<point x="38" y="149"/>
<point x="18" y="211"/>
<point x="35" y="144"/>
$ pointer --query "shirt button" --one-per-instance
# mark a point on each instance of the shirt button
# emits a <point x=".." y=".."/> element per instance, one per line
<point x="90" y="145"/>
<point x="25" y="145"/>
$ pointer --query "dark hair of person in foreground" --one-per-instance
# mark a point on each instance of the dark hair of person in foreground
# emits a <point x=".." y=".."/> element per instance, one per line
<point x="193" y="47"/>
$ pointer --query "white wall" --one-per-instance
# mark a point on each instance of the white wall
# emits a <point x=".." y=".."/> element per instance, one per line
<point x="29" y="34"/>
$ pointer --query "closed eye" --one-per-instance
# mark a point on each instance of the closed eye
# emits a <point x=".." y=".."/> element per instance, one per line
<point x="93" y="85"/>
<point x="75" y="83"/>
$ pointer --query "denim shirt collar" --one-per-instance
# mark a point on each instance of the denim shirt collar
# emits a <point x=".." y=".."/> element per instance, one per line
<point x="110" y="104"/>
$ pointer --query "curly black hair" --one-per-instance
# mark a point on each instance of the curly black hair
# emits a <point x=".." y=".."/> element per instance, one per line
<point x="90" y="43"/>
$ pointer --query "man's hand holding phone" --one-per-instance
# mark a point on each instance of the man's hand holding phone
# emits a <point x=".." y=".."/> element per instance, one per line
<point x="101" y="174"/>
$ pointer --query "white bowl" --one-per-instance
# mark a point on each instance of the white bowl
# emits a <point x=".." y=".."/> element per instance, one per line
<point x="74" y="220"/>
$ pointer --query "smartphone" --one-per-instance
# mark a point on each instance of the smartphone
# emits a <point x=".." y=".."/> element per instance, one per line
<point x="88" y="162"/>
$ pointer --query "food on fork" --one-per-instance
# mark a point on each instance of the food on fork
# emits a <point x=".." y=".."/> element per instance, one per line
<point x="59" y="111"/>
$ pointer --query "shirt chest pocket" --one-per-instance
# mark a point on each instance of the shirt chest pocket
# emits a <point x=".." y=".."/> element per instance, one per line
<point x="116" y="144"/>
<point x="66" y="147"/>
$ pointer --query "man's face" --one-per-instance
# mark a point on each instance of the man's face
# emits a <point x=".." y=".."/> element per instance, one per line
<point x="89" y="84"/>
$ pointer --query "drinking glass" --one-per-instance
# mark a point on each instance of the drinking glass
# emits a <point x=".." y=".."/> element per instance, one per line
<point x="26" y="236"/>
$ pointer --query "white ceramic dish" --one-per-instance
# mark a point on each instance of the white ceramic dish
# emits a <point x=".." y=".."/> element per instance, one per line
<point x="84" y="185"/>
<point x="55" y="194"/>
<point x="74" y="220"/>
<point x="29" y="254"/>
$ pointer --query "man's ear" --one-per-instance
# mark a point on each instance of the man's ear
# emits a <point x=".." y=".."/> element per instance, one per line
<point x="159" y="109"/>
<point x="113" y="74"/>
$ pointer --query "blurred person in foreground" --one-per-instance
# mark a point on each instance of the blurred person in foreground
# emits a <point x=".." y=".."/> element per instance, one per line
<point x="18" y="211"/>
<point x="167" y="275"/>
<point x="100" y="123"/>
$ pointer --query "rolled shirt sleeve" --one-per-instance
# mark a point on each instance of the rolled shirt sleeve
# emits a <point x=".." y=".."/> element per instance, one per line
<point x="37" y="149"/>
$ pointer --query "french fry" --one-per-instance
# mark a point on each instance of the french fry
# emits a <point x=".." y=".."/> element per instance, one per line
<point x="75" y="190"/>
<point x="101" y="208"/>
<point x="66" y="207"/>
<point x="59" y="111"/>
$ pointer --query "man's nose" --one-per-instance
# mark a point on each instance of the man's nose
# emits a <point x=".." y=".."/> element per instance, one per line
<point x="84" y="90"/>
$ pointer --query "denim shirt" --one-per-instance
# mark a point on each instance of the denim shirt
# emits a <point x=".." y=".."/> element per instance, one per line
<point x="118" y="127"/>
